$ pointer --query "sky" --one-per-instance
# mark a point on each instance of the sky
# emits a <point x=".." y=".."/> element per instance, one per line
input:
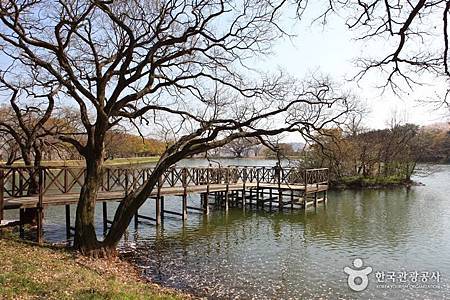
<point x="331" y="50"/>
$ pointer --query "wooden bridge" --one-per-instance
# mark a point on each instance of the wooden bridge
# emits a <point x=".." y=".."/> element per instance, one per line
<point x="262" y="187"/>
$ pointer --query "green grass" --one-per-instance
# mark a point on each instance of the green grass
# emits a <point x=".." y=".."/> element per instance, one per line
<point x="29" y="271"/>
<point x="109" y="162"/>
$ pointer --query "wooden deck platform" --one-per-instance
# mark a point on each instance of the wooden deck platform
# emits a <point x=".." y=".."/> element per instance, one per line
<point x="261" y="186"/>
<point x="72" y="198"/>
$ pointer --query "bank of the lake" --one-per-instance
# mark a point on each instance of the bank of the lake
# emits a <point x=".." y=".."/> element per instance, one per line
<point x="379" y="182"/>
<point x="248" y="253"/>
<point x="123" y="161"/>
<point x="30" y="271"/>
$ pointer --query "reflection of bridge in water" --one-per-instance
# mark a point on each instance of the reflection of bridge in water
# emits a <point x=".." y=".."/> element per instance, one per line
<point x="260" y="187"/>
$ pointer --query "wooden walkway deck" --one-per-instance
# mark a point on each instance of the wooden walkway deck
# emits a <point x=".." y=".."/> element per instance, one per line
<point x="231" y="186"/>
<point x="72" y="198"/>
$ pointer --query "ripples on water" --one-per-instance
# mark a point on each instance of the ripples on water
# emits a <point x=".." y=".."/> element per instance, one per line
<point x="295" y="255"/>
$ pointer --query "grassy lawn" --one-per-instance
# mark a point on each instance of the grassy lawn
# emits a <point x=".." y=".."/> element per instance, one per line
<point x="28" y="271"/>
<point x="109" y="162"/>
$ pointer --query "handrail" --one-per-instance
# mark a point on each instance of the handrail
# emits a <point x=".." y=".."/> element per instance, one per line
<point x="64" y="179"/>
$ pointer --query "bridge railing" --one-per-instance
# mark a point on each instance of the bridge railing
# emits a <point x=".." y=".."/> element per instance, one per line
<point x="22" y="181"/>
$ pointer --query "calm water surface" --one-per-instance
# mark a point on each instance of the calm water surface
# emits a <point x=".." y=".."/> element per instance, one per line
<point x="299" y="254"/>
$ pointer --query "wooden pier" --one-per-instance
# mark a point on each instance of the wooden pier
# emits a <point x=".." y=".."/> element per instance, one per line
<point x="223" y="187"/>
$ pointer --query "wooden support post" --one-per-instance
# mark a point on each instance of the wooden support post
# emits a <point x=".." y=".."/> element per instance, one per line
<point x="158" y="202"/>
<point x="162" y="208"/>
<point x="278" y="180"/>
<point x="21" y="218"/>
<point x="105" y="217"/>
<point x="292" y="199"/>
<point x="206" y="196"/>
<point x="257" y="188"/>
<point x="325" y="197"/>
<point x="158" y="210"/>
<point x="271" y="199"/>
<point x="227" y="189"/>
<point x="184" y="204"/>
<point x="40" y="206"/>
<point x="68" y="221"/>
<point x="136" y="219"/>
<point x="315" y="199"/>
<point x="262" y="198"/>
<point x="2" y="194"/>
<point x="205" y="203"/>
<point x="244" y="175"/>
<point x="280" y="199"/>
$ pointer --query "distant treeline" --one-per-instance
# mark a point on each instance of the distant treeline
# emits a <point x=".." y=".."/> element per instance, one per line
<point x="379" y="156"/>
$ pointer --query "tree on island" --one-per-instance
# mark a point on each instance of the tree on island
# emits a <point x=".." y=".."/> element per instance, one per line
<point x="241" y="147"/>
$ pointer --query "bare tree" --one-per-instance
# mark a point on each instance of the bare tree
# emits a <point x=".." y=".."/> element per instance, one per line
<point x="25" y="125"/>
<point x="9" y="150"/>
<point x="414" y="36"/>
<point x="178" y="65"/>
<point x="241" y="147"/>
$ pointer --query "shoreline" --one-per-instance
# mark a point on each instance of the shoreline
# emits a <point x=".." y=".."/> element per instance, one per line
<point x="55" y="272"/>
<point x="358" y="185"/>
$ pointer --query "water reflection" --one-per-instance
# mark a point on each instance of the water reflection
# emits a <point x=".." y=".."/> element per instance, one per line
<point x="297" y="254"/>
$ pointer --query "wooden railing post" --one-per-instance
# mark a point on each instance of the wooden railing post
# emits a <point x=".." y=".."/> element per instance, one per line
<point x="317" y="179"/>
<point x="244" y="181"/>
<point x="280" y="191"/>
<point x="126" y="182"/>
<point x="2" y="195"/>
<point x="306" y="180"/>
<point x="108" y="183"/>
<point x="66" y="181"/>
<point x="13" y="187"/>
<point x="172" y="170"/>
<point x="263" y="170"/>
<point x="21" y="188"/>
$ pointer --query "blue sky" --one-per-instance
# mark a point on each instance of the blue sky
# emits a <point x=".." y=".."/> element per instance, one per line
<point x="332" y="49"/>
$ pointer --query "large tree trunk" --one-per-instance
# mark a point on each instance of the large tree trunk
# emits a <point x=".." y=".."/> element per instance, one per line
<point x="85" y="237"/>
<point x="30" y="214"/>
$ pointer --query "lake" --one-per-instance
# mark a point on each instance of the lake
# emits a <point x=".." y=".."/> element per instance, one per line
<point x="403" y="235"/>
